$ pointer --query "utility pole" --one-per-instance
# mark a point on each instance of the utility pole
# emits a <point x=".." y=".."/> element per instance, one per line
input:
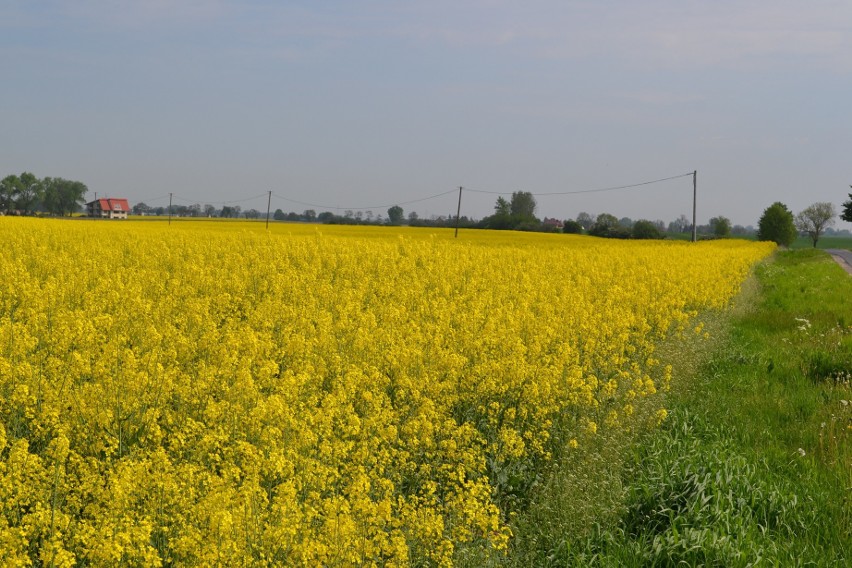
<point x="268" y="204"/>
<point x="170" y="208"/>
<point x="694" y="201"/>
<point x="458" y="213"/>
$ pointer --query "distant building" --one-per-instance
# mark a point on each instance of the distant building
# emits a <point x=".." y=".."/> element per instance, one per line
<point x="108" y="208"/>
<point x="552" y="223"/>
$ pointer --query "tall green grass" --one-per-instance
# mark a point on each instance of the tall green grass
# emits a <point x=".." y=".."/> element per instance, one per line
<point x="753" y="466"/>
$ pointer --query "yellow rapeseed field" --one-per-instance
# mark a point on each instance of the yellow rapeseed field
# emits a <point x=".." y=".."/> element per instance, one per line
<point x="218" y="394"/>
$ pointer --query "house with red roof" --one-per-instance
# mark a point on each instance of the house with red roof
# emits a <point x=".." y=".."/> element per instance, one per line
<point x="552" y="223"/>
<point x="108" y="208"/>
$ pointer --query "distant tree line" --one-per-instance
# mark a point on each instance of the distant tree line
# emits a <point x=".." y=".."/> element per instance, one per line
<point x="27" y="194"/>
<point x="518" y="213"/>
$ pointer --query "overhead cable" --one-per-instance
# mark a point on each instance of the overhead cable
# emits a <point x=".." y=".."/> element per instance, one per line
<point x="583" y="190"/>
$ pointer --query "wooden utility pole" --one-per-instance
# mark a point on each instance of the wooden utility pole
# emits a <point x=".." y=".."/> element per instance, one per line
<point x="268" y="204"/>
<point x="170" y="208"/>
<point x="458" y="213"/>
<point x="694" y="201"/>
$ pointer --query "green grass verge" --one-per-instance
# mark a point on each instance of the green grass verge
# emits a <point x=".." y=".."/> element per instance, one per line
<point x="754" y="464"/>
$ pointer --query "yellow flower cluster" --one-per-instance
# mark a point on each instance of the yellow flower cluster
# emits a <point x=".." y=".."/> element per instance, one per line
<point x="217" y="394"/>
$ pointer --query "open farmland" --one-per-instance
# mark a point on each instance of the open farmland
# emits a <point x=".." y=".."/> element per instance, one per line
<point x="215" y="393"/>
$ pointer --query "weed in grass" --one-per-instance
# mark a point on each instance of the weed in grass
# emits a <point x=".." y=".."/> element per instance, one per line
<point x="693" y="500"/>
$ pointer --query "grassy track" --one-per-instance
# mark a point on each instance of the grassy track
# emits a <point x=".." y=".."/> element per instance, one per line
<point x="754" y="464"/>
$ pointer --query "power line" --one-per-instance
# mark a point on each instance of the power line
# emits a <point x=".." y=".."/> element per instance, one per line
<point x="422" y="199"/>
<point x="205" y="202"/>
<point x="243" y="200"/>
<point x="152" y="199"/>
<point x="585" y="190"/>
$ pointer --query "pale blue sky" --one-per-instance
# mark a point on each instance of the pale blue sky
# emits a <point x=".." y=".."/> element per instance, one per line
<point x="358" y="104"/>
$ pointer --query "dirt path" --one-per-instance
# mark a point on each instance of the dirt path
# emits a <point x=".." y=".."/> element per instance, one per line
<point x="843" y="258"/>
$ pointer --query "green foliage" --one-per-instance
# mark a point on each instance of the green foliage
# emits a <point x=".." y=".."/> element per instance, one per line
<point x="776" y="224"/>
<point x="572" y="227"/>
<point x="27" y="194"/>
<point x="523" y="206"/>
<point x="607" y="225"/>
<point x="395" y="215"/>
<point x="502" y="217"/>
<point x="63" y="197"/>
<point x="502" y="208"/>
<point x="585" y="220"/>
<point x="517" y="214"/>
<point x="644" y="229"/>
<point x="721" y="226"/>
<point x="846" y="214"/>
<point x="8" y="191"/>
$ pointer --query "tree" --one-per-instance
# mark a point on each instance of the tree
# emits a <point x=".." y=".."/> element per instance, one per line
<point x="815" y="219"/>
<point x="209" y="210"/>
<point x="680" y="225"/>
<point x="279" y="215"/>
<point x="586" y="221"/>
<point x="776" y="224"/>
<point x="606" y="225"/>
<point x="523" y="206"/>
<point x="62" y="196"/>
<point x="572" y="227"/>
<point x="310" y="215"/>
<point x="395" y="215"/>
<point x="502" y="218"/>
<point x="847" y="209"/>
<point x="721" y="226"/>
<point x="229" y="211"/>
<point x="29" y="192"/>
<point x="644" y="229"/>
<point x="8" y="191"/>
<point x="502" y="207"/>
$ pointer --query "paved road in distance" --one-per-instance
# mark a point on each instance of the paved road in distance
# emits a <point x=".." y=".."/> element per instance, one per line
<point x="843" y="258"/>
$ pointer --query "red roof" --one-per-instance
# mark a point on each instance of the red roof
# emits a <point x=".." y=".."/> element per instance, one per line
<point x="113" y="204"/>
